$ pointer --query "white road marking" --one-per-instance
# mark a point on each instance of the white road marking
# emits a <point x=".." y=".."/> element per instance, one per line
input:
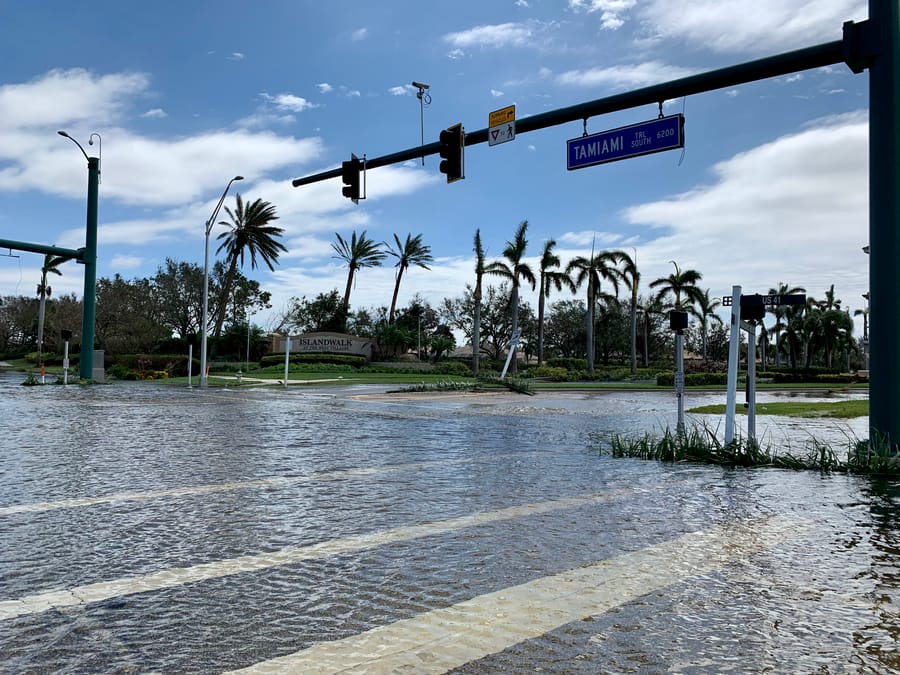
<point x="447" y="638"/>
<point x="179" y="576"/>
<point x="38" y="507"/>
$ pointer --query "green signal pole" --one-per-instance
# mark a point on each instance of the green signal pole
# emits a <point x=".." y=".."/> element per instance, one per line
<point x="89" y="259"/>
<point x="884" y="223"/>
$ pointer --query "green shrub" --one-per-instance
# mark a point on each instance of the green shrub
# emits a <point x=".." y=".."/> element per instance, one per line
<point x="353" y="360"/>
<point x="174" y="365"/>
<point x="692" y="379"/>
<point x="567" y="363"/>
<point x="452" y="368"/>
<point x="548" y="373"/>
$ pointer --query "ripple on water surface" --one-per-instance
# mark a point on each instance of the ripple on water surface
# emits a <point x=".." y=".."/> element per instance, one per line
<point x="265" y="472"/>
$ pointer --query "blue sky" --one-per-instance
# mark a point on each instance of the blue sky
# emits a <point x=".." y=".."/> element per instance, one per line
<point x="771" y="187"/>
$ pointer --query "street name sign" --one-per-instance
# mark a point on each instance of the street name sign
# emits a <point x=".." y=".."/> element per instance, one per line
<point x="644" y="138"/>
<point x="502" y="125"/>
<point x="757" y="300"/>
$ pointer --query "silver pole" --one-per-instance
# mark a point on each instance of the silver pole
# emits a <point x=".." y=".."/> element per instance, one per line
<point x="733" y="350"/>
<point x="190" y="364"/>
<point x="751" y="382"/>
<point x="204" y="319"/>
<point x="66" y="363"/>
<point x="287" y="359"/>
<point x="679" y="379"/>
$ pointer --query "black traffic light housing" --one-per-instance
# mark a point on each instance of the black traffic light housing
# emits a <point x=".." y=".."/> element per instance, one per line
<point x="351" y="171"/>
<point x="452" y="147"/>
<point x="678" y="320"/>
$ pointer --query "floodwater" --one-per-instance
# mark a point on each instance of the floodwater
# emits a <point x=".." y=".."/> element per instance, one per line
<point x="148" y="529"/>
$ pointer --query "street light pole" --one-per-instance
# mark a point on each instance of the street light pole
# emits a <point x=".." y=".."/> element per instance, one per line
<point x="204" y="319"/>
<point x="89" y="259"/>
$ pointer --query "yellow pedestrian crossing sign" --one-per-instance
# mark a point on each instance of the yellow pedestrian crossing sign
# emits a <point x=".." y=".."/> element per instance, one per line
<point x="502" y="125"/>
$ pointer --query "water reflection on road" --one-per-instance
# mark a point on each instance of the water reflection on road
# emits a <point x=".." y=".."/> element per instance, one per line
<point x="147" y="528"/>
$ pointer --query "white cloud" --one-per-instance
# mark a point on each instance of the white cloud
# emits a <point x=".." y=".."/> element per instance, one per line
<point x="69" y="97"/>
<point x="625" y="75"/>
<point x="324" y="87"/>
<point x="492" y="37"/>
<point x="289" y="102"/>
<point x="235" y="56"/>
<point x="155" y="113"/>
<point x="730" y="26"/>
<point x="456" y="54"/>
<point x="126" y="262"/>
<point x="497" y="93"/>
<point x="401" y="91"/>
<point x="359" y="34"/>
<point x="611" y="11"/>
<point x="794" y="210"/>
<point x="587" y="238"/>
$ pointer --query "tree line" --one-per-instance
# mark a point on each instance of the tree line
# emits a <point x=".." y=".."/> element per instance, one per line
<point x="163" y="312"/>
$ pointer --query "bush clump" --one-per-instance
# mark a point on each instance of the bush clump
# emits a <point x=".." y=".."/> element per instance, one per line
<point x="353" y="360"/>
<point x="554" y="374"/>
<point x="692" y="379"/>
<point x="567" y="363"/>
<point x="452" y="368"/>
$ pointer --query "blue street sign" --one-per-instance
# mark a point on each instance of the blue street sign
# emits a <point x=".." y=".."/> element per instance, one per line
<point x="664" y="133"/>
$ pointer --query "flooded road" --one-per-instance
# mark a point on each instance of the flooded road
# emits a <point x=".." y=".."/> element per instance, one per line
<point x="160" y="529"/>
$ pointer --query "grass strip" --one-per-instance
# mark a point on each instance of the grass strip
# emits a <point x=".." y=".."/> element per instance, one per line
<point x="832" y="409"/>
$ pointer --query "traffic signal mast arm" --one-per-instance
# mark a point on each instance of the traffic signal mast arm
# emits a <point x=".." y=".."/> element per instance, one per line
<point x="852" y="49"/>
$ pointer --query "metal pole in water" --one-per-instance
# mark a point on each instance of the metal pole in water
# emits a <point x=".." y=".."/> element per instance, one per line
<point x="287" y="359"/>
<point x="190" y="364"/>
<point x="751" y="382"/>
<point x="733" y="349"/>
<point x="679" y="379"/>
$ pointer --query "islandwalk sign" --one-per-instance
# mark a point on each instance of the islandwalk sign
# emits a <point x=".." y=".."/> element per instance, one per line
<point x="644" y="138"/>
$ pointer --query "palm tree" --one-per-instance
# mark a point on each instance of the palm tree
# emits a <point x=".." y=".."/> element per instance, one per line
<point x="780" y="312"/>
<point x="631" y="277"/>
<point x="249" y="233"/>
<point x="51" y="264"/>
<point x="476" y="297"/>
<point x="706" y="309"/>
<point x="514" y="270"/>
<point x="411" y="252"/>
<point x="682" y="286"/>
<point x="549" y="280"/>
<point x="357" y="253"/>
<point x="593" y="269"/>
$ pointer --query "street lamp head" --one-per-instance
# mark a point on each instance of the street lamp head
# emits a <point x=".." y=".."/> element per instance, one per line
<point x="63" y="134"/>
<point x="238" y="178"/>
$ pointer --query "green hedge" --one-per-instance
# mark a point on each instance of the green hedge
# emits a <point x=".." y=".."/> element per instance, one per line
<point x="338" y="359"/>
<point x="810" y="376"/>
<point x="692" y="379"/>
<point x="567" y="363"/>
<point x="554" y="374"/>
<point x="130" y="366"/>
<point x="452" y="368"/>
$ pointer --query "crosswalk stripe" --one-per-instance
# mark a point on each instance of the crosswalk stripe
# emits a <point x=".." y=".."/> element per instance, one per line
<point x="174" y="577"/>
<point x="443" y="639"/>
<point x="279" y="481"/>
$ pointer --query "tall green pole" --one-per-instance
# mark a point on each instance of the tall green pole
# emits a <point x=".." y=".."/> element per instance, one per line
<point x="884" y="222"/>
<point x="88" y="316"/>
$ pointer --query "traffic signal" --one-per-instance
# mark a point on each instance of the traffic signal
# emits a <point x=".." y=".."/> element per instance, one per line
<point x="452" y="145"/>
<point x="350" y="174"/>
